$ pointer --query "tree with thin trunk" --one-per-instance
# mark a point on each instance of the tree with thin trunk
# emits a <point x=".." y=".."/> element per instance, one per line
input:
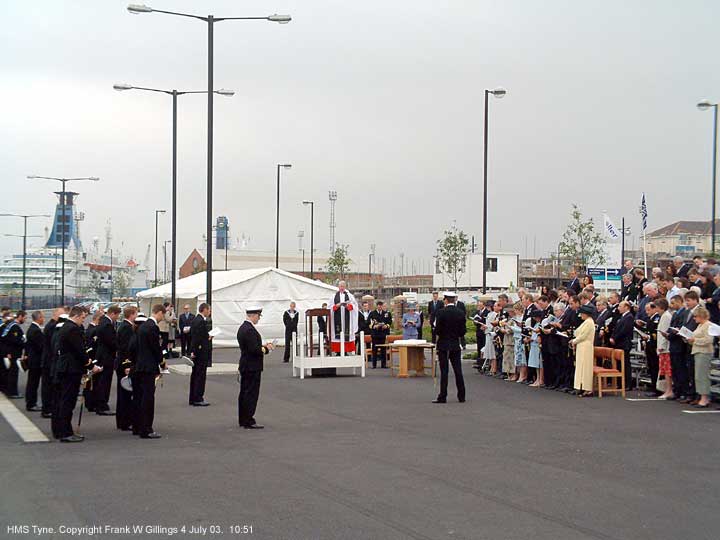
<point x="452" y="251"/>
<point x="581" y="243"/>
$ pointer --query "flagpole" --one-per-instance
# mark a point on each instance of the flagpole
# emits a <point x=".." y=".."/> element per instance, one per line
<point x="607" y="234"/>
<point x="643" y="214"/>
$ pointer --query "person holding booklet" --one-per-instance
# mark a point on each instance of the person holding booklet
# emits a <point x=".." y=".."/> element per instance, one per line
<point x="200" y="355"/>
<point x="702" y="349"/>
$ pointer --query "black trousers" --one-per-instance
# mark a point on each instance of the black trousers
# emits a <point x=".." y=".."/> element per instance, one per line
<point x="197" y="380"/>
<point x="567" y="368"/>
<point x="102" y="383"/>
<point x="433" y="333"/>
<point x="68" y="387"/>
<point x="446" y="358"/>
<point x="248" y="397"/>
<point x="184" y="343"/>
<point x="680" y="377"/>
<point x="378" y="351"/>
<point x="653" y="362"/>
<point x="549" y="367"/>
<point x="480" y="339"/>
<point x="288" y="346"/>
<point x="31" y="387"/>
<point x="144" y="391"/>
<point x="628" y="369"/>
<point x="46" y="391"/>
<point x="124" y="406"/>
<point x="11" y="381"/>
<point x="690" y="363"/>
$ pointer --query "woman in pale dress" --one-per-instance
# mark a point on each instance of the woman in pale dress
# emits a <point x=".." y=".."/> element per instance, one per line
<point x="583" y="343"/>
<point x="489" y="349"/>
<point x="702" y="351"/>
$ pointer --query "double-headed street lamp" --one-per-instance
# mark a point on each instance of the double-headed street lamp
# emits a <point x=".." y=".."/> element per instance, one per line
<point x="498" y="93"/>
<point x="312" y="235"/>
<point x="277" y="215"/>
<point x="24" y="236"/>
<point x="157" y="213"/>
<point x="137" y="9"/>
<point x="704" y="105"/>
<point x="64" y="220"/>
<point x="174" y="94"/>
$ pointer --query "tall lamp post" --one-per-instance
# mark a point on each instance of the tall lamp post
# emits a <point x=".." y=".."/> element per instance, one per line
<point x="157" y="212"/>
<point x="277" y="214"/>
<point x="704" y="105"/>
<point x="312" y="235"/>
<point x="174" y="94"/>
<point x="24" y="236"/>
<point x="498" y="93"/>
<point x="137" y="9"/>
<point x="64" y="221"/>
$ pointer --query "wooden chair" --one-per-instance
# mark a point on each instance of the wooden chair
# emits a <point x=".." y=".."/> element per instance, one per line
<point x="368" y="349"/>
<point x="391" y="350"/>
<point x="616" y="358"/>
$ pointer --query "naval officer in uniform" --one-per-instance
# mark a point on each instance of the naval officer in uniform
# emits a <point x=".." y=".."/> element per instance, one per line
<point x="252" y="351"/>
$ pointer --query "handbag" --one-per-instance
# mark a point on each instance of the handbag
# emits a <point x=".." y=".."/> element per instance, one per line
<point x="661" y="385"/>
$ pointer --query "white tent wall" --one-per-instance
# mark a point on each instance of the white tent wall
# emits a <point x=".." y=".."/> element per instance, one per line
<point x="234" y="290"/>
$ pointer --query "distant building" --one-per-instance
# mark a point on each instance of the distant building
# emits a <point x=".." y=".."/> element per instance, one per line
<point x="502" y="272"/>
<point x="684" y="238"/>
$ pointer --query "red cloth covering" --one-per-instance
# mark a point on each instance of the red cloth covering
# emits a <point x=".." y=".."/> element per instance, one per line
<point x="336" y="307"/>
<point x="349" y="346"/>
<point x="349" y="307"/>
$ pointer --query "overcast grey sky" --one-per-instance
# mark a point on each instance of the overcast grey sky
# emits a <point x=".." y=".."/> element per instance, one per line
<point x="381" y="101"/>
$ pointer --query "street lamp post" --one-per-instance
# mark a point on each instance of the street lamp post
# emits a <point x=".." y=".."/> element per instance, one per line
<point x="277" y="214"/>
<point x="24" y="236"/>
<point x="157" y="212"/>
<point x="137" y="9"/>
<point x="174" y="94"/>
<point x="498" y="93"/>
<point x="63" y="221"/>
<point x="703" y="106"/>
<point x="312" y="235"/>
<point x="111" y="276"/>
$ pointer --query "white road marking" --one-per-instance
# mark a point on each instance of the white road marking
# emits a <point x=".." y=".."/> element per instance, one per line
<point x="702" y="412"/>
<point x="643" y="399"/>
<point x="22" y="425"/>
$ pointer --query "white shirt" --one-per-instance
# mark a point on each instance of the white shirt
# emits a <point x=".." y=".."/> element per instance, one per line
<point x="672" y="292"/>
<point x="663" y="344"/>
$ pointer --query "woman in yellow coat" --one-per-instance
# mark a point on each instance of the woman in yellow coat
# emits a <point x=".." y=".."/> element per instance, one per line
<point x="584" y="342"/>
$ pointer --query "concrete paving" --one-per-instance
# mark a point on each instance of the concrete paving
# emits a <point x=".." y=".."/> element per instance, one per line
<point x="347" y="458"/>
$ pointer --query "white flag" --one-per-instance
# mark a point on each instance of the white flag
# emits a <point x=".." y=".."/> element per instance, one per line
<point x="610" y="228"/>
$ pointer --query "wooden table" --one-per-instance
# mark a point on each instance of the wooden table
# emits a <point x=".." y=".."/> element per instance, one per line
<point x="412" y="357"/>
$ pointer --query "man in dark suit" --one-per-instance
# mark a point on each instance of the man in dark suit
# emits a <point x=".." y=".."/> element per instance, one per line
<point x="692" y="302"/>
<point x="380" y="322"/>
<point x="13" y="339"/>
<point x="200" y="354"/>
<point x="252" y="352"/>
<point x="184" y="325"/>
<point x="678" y="349"/>
<point x="434" y="306"/>
<point x="126" y="351"/>
<point x="34" y="351"/>
<point x="105" y="356"/>
<point x="574" y="284"/>
<point x="479" y="319"/>
<point x="72" y="363"/>
<point x="622" y="337"/>
<point x="450" y="327"/>
<point x="147" y="368"/>
<point x="290" y="320"/>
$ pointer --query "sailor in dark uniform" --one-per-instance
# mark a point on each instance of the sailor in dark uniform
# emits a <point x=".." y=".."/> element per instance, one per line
<point x="105" y="356"/>
<point x="72" y="363"/>
<point x="251" y="365"/>
<point x="47" y="386"/>
<point x="147" y="368"/>
<point x="5" y="319"/>
<point x="290" y="320"/>
<point x="14" y="342"/>
<point x="91" y="342"/>
<point x="450" y="327"/>
<point x="126" y="352"/>
<point x="34" y="352"/>
<point x="363" y="322"/>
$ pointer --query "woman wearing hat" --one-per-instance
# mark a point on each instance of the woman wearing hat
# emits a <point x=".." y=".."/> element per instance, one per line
<point x="534" y="358"/>
<point x="583" y="342"/>
<point x="411" y="322"/>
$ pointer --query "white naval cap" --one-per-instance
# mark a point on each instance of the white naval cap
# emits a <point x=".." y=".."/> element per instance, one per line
<point x="253" y="309"/>
<point x="450" y="294"/>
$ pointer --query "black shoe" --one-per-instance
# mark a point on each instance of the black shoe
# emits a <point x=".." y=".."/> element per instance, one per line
<point x="34" y="408"/>
<point x="46" y="415"/>
<point x="152" y="435"/>
<point x="105" y="413"/>
<point x="72" y="438"/>
<point x="125" y="429"/>
<point x="254" y="426"/>
<point x="439" y="400"/>
<point x="202" y="403"/>
<point x="461" y="400"/>
<point x="16" y="396"/>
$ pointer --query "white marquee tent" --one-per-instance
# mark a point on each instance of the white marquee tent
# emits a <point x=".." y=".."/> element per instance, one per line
<point x="233" y="290"/>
